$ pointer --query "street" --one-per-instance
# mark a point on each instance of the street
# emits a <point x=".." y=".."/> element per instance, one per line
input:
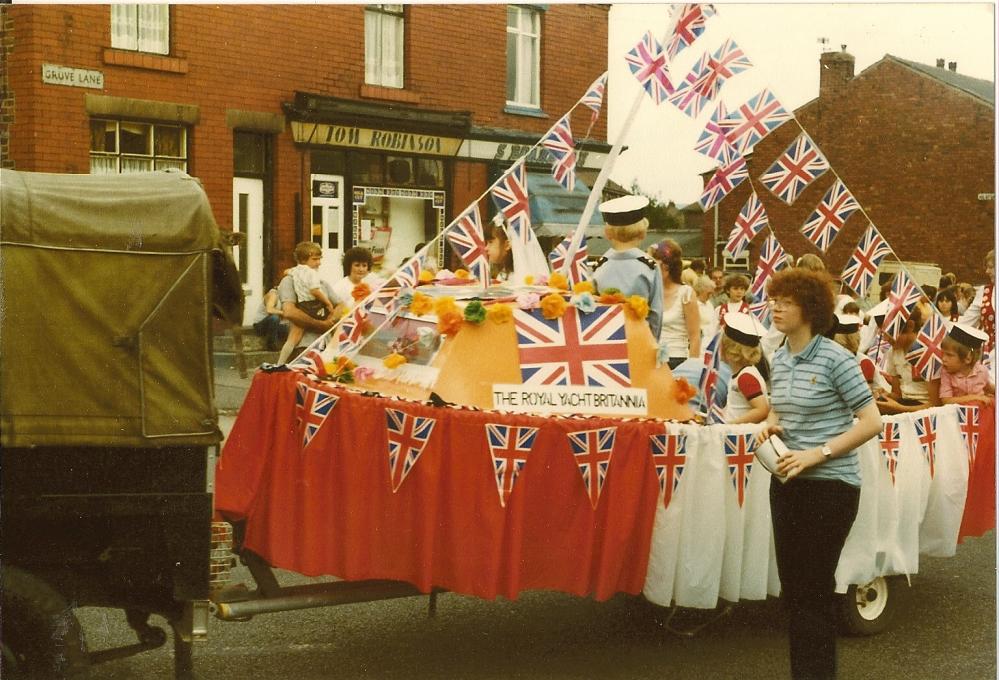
<point x="944" y="628"/>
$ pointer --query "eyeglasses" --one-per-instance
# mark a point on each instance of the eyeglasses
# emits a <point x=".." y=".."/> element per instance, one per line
<point x="781" y="304"/>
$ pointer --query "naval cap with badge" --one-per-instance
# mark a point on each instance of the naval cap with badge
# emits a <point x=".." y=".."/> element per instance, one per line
<point x="968" y="336"/>
<point x="744" y="328"/>
<point x="624" y="210"/>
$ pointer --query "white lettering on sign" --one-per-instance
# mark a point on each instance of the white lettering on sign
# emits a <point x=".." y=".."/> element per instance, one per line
<point x="986" y="197"/>
<point x="73" y="77"/>
<point x="568" y="399"/>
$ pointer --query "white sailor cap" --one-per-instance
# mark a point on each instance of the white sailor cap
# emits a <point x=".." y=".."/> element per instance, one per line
<point x="846" y="324"/>
<point x="972" y="338"/>
<point x="744" y="328"/>
<point x="878" y="312"/>
<point x="625" y="210"/>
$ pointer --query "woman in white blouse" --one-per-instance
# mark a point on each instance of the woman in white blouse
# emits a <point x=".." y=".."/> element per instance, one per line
<point x="681" y="324"/>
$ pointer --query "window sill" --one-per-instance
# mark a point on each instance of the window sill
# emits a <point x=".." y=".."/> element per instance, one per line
<point x="524" y="111"/>
<point x="389" y="93"/>
<point x="152" y="62"/>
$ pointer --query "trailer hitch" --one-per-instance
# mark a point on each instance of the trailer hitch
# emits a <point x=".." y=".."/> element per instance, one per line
<point x="150" y="637"/>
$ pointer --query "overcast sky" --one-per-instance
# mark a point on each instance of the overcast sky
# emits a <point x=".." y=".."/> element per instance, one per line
<point x="782" y="42"/>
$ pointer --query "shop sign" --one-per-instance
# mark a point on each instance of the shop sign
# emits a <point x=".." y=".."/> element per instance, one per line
<point x="504" y="151"/>
<point x="569" y="399"/>
<point x="368" y="138"/>
<point x="986" y="197"/>
<point x="73" y="77"/>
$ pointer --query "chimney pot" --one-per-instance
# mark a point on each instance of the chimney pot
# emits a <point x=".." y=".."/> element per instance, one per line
<point x="952" y="66"/>
<point x="941" y="63"/>
<point x="835" y="71"/>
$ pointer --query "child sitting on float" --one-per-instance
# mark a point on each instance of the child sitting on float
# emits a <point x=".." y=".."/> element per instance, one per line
<point x="735" y="288"/>
<point x="909" y="392"/>
<point x="964" y="380"/>
<point x="740" y="349"/>
<point x="499" y="250"/>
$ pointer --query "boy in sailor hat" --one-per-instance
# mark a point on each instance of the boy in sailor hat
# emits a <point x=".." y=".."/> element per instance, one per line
<point x="964" y="380"/>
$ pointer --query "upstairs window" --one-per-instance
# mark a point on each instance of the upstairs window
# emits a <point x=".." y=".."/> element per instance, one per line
<point x="523" y="56"/>
<point x="384" y="36"/>
<point x="119" y="146"/>
<point x="143" y="28"/>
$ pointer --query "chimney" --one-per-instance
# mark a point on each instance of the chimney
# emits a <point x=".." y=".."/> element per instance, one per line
<point x="952" y="66"/>
<point x="835" y="71"/>
<point x="941" y="63"/>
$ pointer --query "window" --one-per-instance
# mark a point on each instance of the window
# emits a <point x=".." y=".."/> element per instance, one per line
<point x="125" y="147"/>
<point x="384" y="33"/>
<point x="523" y="56"/>
<point x="144" y="28"/>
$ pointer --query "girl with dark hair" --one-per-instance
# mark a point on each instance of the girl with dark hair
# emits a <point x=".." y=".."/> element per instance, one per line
<point x="499" y="251"/>
<point x="947" y="304"/>
<point x="681" y="321"/>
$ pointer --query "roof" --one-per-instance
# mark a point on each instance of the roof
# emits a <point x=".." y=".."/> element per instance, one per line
<point x="982" y="89"/>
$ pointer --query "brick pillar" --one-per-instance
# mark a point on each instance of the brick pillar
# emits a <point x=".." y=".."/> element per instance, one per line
<point x="835" y="71"/>
<point x="6" y="94"/>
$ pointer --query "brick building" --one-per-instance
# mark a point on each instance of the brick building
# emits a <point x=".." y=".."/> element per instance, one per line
<point x="346" y="124"/>
<point x="915" y="144"/>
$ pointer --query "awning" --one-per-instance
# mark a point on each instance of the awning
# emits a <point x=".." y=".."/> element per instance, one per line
<point x="555" y="211"/>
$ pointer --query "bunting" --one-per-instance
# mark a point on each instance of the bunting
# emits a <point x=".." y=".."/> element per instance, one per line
<point x="669" y="457"/>
<point x="754" y="120"/>
<point x="891" y="441"/>
<point x="800" y="165"/>
<point x="926" y="433"/>
<point x="967" y="420"/>
<point x="926" y="353"/>
<point x="577" y="271"/>
<point x="561" y="146"/>
<point x="594" y="97"/>
<point x="722" y="182"/>
<point x="773" y="258"/>
<point x="863" y="264"/>
<point x="727" y="61"/>
<point x="648" y="64"/>
<point x="690" y="24"/>
<point x="739" y="455"/>
<point x="312" y="407"/>
<point x="830" y="216"/>
<point x="509" y="446"/>
<point x="351" y="331"/>
<point x="467" y="239"/>
<point x="510" y="196"/>
<point x="407" y="438"/>
<point x="751" y="221"/>
<point x="707" y="385"/>
<point x="713" y="141"/>
<point x="688" y="96"/>
<point x="592" y="450"/>
<point x="903" y="296"/>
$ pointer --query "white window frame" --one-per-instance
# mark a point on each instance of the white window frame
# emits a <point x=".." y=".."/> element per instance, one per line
<point x="524" y="58"/>
<point x="385" y="45"/>
<point x="115" y="162"/>
<point x="141" y="28"/>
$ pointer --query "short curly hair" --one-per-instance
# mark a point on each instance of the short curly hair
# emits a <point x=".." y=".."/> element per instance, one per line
<point x="811" y="291"/>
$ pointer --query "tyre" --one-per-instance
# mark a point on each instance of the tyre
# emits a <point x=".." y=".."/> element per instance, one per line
<point x="41" y="637"/>
<point x="868" y="609"/>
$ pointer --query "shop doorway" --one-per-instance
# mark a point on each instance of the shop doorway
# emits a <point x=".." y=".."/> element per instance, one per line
<point x="393" y="222"/>
<point x="248" y="219"/>
<point x="327" y="224"/>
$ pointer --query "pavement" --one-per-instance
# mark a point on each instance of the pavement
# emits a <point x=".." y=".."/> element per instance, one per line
<point x="230" y="390"/>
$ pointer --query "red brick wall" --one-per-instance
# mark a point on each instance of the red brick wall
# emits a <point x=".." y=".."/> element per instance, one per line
<point x="914" y="152"/>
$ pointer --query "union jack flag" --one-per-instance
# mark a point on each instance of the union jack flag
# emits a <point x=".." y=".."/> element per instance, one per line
<point x="648" y="64"/>
<point x="407" y="438"/>
<point x="310" y="361"/>
<point x="593" y="450"/>
<point x="688" y="96"/>
<point x="754" y="120"/>
<point x="578" y="271"/>
<point x="594" y="97"/>
<point x="773" y="258"/>
<point x="560" y="145"/>
<point x="707" y="385"/>
<point x="509" y="446"/>
<point x="669" y="456"/>
<point x="830" y="216"/>
<point x="739" y="452"/>
<point x="351" y="331"/>
<point x="863" y="265"/>
<point x="761" y="310"/>
<point x="312" y="407"/>
<point x="722" y="182"/>
<point x="713" y="141"/>
<point x="890" y="441"/>
<point x="689" y="25"/>
<point x="926" y="432"/>
<point x="926" y="354"/>
<point x="406" y="276"/>
<point x="751" y="221"/>
<point x="967" y="420"/>
<point x="467" y="240"/>
<point x="510" y="196"/>
<point x="727" y="61"/>
<point x="575" y="349"/>
<point x="903" y="296"/>
<point x="879" y="352"/>
<point x="798" y="167"/>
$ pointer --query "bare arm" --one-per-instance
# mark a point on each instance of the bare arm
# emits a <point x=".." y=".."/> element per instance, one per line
<point x="692" y="317"/>
<point x="759" y="412"/>
<point x="321" y="296"/>
<point x="271" y="303"/>
<point x="868" y="425"/>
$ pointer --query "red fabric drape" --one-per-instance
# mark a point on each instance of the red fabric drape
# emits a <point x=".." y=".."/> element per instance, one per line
<point x="330" y="509"/>
<point x="980" y="506"/>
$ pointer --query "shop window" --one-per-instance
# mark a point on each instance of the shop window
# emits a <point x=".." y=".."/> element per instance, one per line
<point x="143" y="28"/>
<point x="118" y="146"/>
<point x="523" y="56"/>
<point x="367" y="168"/>
<point x="384" y="38"/>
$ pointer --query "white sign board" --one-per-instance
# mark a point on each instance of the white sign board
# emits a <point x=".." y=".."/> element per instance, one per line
<point x="569" y="399"/>
<point x="73" y="77"/>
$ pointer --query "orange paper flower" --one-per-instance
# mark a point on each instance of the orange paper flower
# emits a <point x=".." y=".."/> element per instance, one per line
<point x="683" y="392"/>
<point x="499" y="312"/>
<point x="611" y="298"/>
<point x="421" y="304"/>
<point x="583" y="287"/>
<point x="393" y="360"/>
<point x="558" y="281"/>
<point x="360" y="291"/>
<point x="461" y="274"/>
<point x="443" y="305"/>
<point x="426" y="276"/>
<point x="553" y="306"/>
<point x="449" y="323"/>
<point x="637" y="306"/>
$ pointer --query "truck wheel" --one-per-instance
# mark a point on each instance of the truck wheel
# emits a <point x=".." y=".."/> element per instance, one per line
<point x="868" y="609"/>
<point x="41" y="636"/>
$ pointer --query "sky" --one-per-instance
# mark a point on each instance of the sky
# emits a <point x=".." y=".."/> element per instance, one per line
<point x="783" y="43"/>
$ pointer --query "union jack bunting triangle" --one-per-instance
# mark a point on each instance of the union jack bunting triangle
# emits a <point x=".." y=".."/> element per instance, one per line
<point x="510" y="196"/>
<point x="312" y="407"/>
<point x="594" y="97"/>
<point x="351" y="333"/>
<point x="509" y="446"/>
<point x="647" y="62"/>
<point x="926" y="433"/>
<point x="751" y="221"/>
<point x="739" y="455"/>
<point x="468" y="242"/>
<point x="578" y="271"/>
<point x="863" y="264"/>
<point x="713" y="141"/>
<point x="890" y="441"/>
<point x="754" y="120"/>
<point x="796" y="168"/>
<point x="725" y="62"/>
<point x="904" y="294"/>
<point x="669" y="457"/>
<point x="311" y="361"/>
<point x="407" y="438"/>
<point x="722" y="182"/>
<point x="690" y="24"/>
<point x="688" y="96"/>
<point x="967" y="421"/>
<point x="561" y="146"/>
<point x="592" y="450"/>
<point x="926" y="353"/>
<point x="707" y="385"/>
<point x="830" y="216"/>
<point x="773" y="258"/>
<point x="405" y="277"/>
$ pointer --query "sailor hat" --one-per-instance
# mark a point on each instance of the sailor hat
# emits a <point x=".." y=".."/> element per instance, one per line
<point x="968" y="336"/>
<point x="744" y="328"/>
<point x="846" y="324"/>
<point x="625" y="210"/>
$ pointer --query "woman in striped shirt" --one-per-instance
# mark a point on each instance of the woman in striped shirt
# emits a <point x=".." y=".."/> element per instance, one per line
<point x="816" y="390"/>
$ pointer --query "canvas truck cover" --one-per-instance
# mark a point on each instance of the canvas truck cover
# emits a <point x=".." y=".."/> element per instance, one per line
<point x="106" y="285"/>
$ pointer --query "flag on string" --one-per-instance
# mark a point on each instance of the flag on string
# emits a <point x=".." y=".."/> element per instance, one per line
<point x="773" y="258"/>
<point x="669" y="456"/>
<point x="577" y="271"/>
<point x="727" y="61"/>
<point x="593" y="450"/>
<point x="926" y="433"/>
<point x="754" y="120"/>
<point x="688" y="97"/>
<point x="406" y="276"/>
<point x="891" y="441"/>
<point x="707" y="385"/>
<point x="510" y="196"/>
<point x="863" y="264"/>
<point x="407" y="437"/>
<point x="312" y="407"/>
<point x="751" y="221"/>
<point x="722" y="182"/>
<point x="648" y="64"/>
<point x="594" y="97"/>
<point x="740" y="458"/>
<point x="509" y="446"/>
<point x="926" y="353"/>
<point x="967" y="421"/>
<point x="469" y="243"/>
<point x="904" y="294"/>
<point x="761" y="310"/>
<point x="561" y="146"/>
<point x="311" y="360"/>
<point x="351" y="331"/>
<point x="830" y="216"/>
<point x="689" y="25"/>
<point x="879" y="352"/>
<point x="796" y="168"/>
<point x="713" y="141"/>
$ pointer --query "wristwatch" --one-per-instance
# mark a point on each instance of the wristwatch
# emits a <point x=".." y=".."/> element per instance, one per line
<point x="826" y="451"/>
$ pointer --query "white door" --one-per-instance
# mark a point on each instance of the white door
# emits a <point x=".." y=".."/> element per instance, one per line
<point x="327" y="224"/>
<point x="248" y="219"/>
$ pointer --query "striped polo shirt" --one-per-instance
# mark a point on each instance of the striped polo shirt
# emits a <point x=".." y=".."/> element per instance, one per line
<point x="815" y="394"/>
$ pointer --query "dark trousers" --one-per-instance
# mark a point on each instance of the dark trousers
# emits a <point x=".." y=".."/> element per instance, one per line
<point x="811" y="521"/>
<point x="273" y="329"/>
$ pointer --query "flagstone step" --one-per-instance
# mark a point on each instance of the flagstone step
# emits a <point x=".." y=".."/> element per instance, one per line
<point x="230" y="360"/>
<point x="226" y="341"/>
